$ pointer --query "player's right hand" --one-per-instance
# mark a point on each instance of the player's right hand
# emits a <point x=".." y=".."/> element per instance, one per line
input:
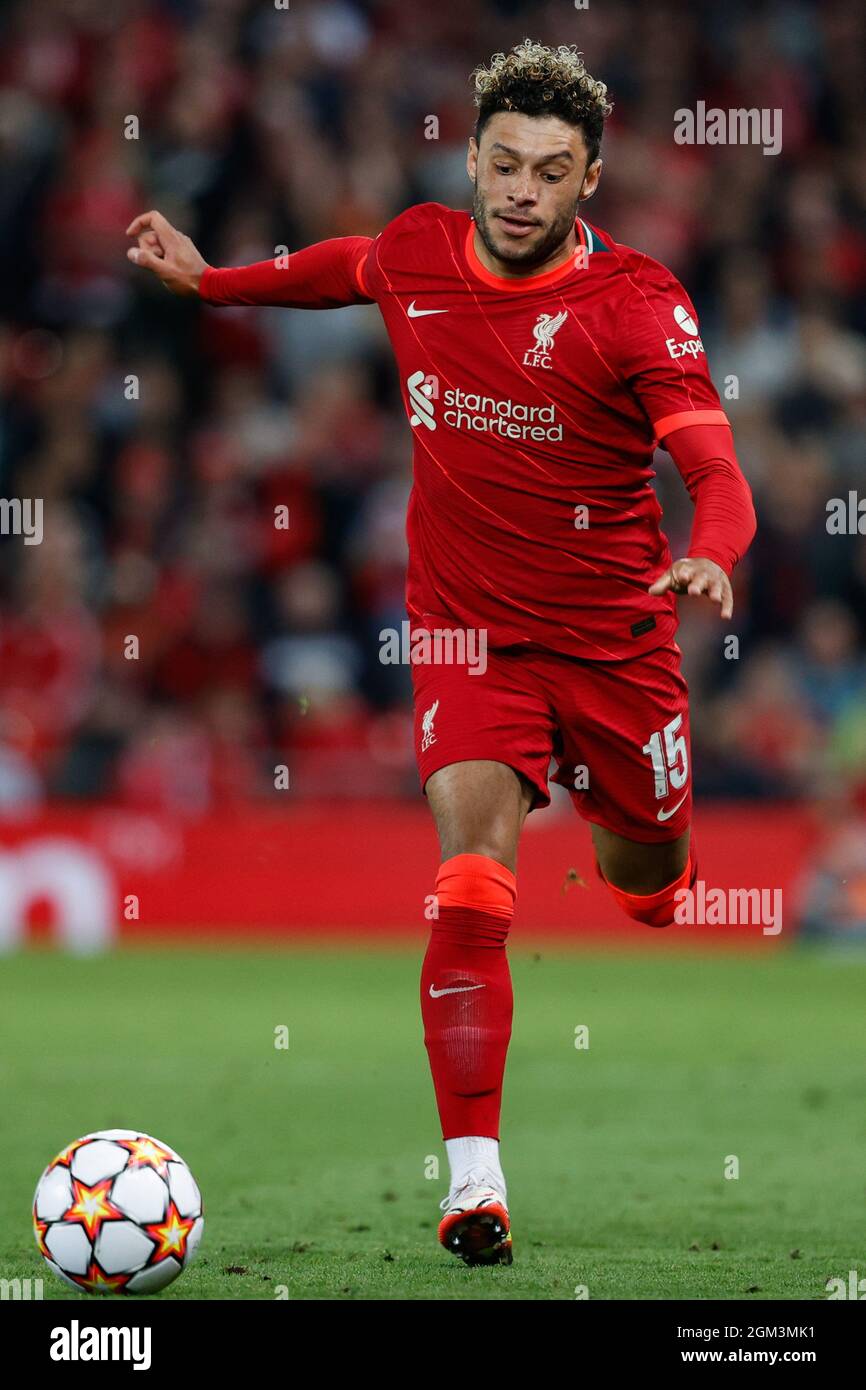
<point x="172" y="257"/>
<point x="697" y="575"/>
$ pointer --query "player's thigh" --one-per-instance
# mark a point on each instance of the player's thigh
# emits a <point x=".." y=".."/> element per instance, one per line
<point x="479" y="807"/>
<point x="483" y="744"/>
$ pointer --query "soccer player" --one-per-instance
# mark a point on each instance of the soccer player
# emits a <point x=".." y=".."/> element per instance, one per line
<point x="541" y="363"/>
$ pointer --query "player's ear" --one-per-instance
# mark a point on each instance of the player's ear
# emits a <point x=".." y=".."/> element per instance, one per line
<point x="590" y="180"/>
<point x="472" y="158"/>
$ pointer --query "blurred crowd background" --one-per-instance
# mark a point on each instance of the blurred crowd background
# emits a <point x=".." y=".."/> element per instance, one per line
<point x="260" y="127"/>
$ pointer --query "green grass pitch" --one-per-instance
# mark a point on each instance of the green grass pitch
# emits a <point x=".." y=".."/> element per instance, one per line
<point x="312" y="1159"/>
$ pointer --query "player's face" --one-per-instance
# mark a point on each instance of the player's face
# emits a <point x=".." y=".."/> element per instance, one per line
<point x="530" y="173"/>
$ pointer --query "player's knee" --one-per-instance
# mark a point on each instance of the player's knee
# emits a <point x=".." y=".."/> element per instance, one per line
<point x="640" y="868"/>
<point x="649" y="884"/>
<point x="649" y="903"/>
<point x="500" y="851"/>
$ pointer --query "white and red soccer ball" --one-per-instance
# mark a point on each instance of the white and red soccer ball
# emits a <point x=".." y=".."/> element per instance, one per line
<point x="117" y="1212"/>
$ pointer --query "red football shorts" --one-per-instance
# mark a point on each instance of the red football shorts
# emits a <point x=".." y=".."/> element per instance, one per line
<point x="617" y="731"/>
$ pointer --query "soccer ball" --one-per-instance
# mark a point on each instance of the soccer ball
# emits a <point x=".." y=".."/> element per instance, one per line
<point x="117" y="1212"/>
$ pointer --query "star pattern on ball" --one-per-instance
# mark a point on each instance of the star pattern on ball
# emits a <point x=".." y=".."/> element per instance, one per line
<point x="171" y="1234"/>
<point x="146" y="1152"/>
<point x="95" y="1281"/>
<point x="39" y="1229"/>
<point x="65" y="1157"/>
<point x="92" y="1206"/>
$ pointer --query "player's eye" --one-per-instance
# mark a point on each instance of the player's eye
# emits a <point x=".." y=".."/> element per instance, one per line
<point x="503" y="169"/>
<point x="553" y="178"/>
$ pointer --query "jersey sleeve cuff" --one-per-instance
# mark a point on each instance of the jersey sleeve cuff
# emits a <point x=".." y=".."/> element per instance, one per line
<point x="206" y="277"/>
<point x="683" y="418"/>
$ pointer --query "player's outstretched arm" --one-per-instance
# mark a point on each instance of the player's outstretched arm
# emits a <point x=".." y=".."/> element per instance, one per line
<point x="328" y="275"/>
<point x="169" y="254"/>
<point x="724" y="523"/>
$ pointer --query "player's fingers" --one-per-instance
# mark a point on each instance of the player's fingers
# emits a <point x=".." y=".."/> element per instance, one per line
<point x="663" y="583"/>
<point x="151" y="242"/>
<point x="699" y="584"/>
<point x="154" y="221"/>
<point x="140" y="256"/>
<point x="684" y="574"/>
<point x="163" y="228"/>
<point x="727" y="599"/>
<point x="139" y="223"/>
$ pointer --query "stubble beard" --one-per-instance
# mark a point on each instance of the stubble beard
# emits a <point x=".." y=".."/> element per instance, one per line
<point x="552" y="240"/>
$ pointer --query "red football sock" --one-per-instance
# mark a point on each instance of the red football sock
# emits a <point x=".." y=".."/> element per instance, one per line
<point x="466" y="999"/>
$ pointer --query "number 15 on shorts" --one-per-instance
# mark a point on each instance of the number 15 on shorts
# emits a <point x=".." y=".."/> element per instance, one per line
<point x="669" y="756"/>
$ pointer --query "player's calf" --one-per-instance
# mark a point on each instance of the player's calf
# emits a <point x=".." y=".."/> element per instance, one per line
<point x="642" y="867"/>
<point x="466" y="997"/>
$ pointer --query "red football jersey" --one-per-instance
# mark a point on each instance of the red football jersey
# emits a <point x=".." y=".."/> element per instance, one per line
<point x="535" y="405"/>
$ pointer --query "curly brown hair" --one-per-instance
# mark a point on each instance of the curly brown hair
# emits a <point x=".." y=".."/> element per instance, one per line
<point x="540" y="81"/>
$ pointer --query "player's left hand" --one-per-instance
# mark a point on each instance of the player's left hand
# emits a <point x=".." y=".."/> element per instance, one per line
<point x="696" y="576"/>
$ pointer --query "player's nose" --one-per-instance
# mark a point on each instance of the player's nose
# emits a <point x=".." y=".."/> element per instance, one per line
<point x="524" y="195"/>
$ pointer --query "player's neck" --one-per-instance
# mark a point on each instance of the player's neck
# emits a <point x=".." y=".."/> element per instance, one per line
<point x="509" y="271"/>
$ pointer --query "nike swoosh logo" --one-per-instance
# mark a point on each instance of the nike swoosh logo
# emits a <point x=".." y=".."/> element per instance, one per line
<point x="456" y="989"/>
<point x="666" y="815"/>
<point x="422" y="313"/>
